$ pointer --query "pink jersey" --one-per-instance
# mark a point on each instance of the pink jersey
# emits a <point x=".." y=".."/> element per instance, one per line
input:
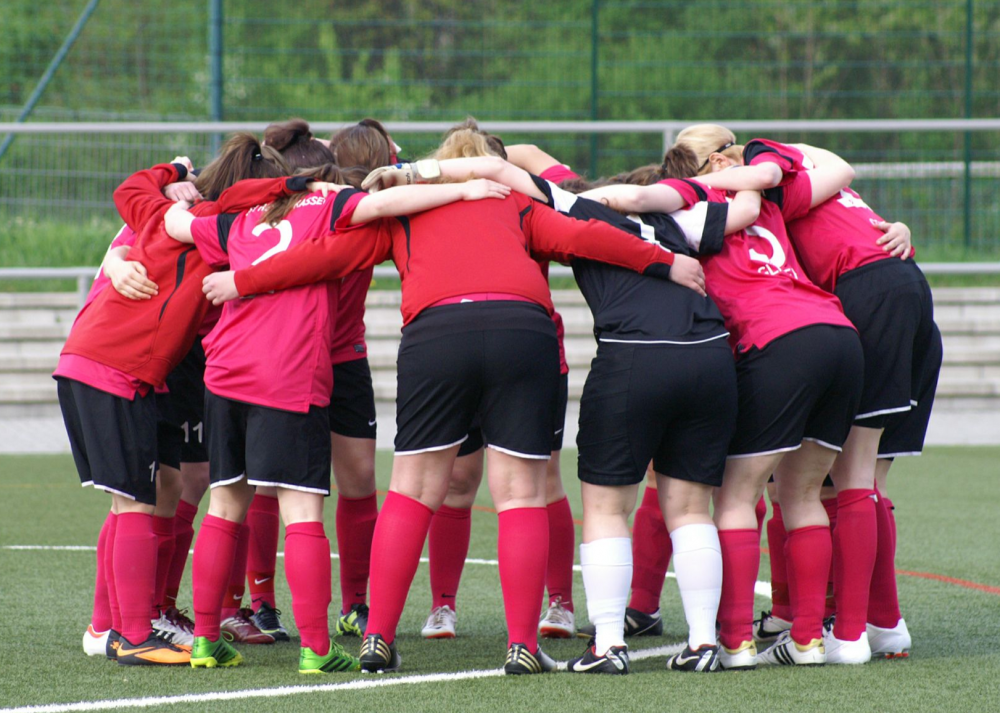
<point x="833" y="238"/>
<point x="273" y="349"/>
<point x="755" y="279"/>
<point x="348" y="340"/>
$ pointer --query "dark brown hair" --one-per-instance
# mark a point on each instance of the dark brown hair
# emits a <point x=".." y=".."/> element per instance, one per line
<point x="295" y="142"/>
<point x="242" y="156"/>
<point x="329" y="172"/>
<point x="366" y="144"/>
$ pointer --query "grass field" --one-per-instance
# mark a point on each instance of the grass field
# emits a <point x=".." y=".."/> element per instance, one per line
<point x="949" y="538"/>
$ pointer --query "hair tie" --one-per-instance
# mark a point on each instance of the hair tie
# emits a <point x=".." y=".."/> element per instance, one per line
<point x="258" y="156"/>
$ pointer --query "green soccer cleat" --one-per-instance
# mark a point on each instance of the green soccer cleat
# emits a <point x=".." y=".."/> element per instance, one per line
<point x="353" y="622"/>
<point x="336" y="660"/>
<point x="206" y="653"/>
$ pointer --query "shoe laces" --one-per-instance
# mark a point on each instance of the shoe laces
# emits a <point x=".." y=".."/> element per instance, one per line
<point x="180" y="618"/>
<point x="557" y="614"/>
<point x="268" y="616"/>
<point x="441" y="616"/>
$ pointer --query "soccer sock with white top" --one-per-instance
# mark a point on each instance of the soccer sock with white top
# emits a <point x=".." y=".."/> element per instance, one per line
<point x="607" y="575"/>
<point x="698" y="564"/>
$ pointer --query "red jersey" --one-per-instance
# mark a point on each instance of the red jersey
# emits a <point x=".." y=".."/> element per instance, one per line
<point x="458" y="249"/>
<point x="348" y="340"/>
<point x="273" y="350"/>
<point x="754" y="278"/>
<point x="147" y="339"/>
<point x="831" y="239"/>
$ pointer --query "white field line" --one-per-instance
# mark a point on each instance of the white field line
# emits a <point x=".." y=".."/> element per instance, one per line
<point x="761" y="589"/>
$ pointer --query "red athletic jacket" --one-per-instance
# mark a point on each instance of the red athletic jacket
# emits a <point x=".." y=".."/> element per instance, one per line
<point x="148" y="338"/>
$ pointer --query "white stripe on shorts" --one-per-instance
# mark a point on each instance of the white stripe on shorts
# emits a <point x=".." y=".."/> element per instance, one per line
<point x="882" y="412"/>
<point x="765" y="453"/>
<point x="237" y="479"/>
<point x="300" y="488"/>
<point x="825" y="444"/>
<point x="518" y="455"/>
<point x="431" y="449"/>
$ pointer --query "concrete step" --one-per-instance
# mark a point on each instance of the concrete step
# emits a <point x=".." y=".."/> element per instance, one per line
<point x="37" y="316"/>
<point x="38" y="300"/>
<point x="34" y="332"/>
<point x="963" y="295"/>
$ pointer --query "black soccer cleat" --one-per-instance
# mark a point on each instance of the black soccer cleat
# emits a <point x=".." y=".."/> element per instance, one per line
<point x="521" y="661"/>
<point x="704" y="659"/>
<point x="377" y="656"/>
<point x="615" y="661"/>
<point x="637" y="623"/>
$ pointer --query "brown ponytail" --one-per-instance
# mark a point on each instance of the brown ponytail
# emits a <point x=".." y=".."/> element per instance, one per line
<point x="295" y="142"/>
<point x="242" y="156"/>
<point x="366" y="144"/>
<point x="680" y="162"/>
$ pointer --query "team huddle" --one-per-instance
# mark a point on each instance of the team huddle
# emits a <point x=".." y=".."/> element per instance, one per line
<point x="759" y="328"/>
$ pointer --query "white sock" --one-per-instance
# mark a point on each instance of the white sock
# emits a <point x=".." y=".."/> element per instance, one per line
<point x="607" y="576"/>
<point x="698" y="565"/>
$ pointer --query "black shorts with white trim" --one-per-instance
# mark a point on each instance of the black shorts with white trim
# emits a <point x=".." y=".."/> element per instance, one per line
<point x="495" y="359"/>
<point x="181" y="426"/>
<point x="804" y="385"/>
<point x="673" y="405"/>
<point x="267" y="446"/>
<point x="113" y="439"/>
<point x="352" y="403"/>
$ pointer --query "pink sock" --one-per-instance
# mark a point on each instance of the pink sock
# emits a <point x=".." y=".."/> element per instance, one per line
<point x="740" y="562"/>
<point x="100" y="618"/>
<point x="183" y="535"/>
<point x="447" y="548"/>
<point x="780" y="605"/>
<point x="808" y="551"/>
<point x="307" y="566"/>
<point x="212" y="563"/>
<point x="355" y="527"/>
<point x="651" y="552"/>
<point x="399" y="538"/>
<point x="135" y="573"/>
<point x="830" y="505"/>
<point x="562" y="545"/>
<point x="262" y="551"/>
<point x="523" y="552"/>
<point x="233" y="600"/>
<point x="891" y="510"/>
<point x="760" y="512"/>
<point x="855" y="543"/>
<point x="109" y="574"/>
<point x="163" y="528"/>
<point x="883" y="600"/>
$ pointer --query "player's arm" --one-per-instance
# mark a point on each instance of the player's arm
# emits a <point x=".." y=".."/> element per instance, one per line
<point x="454" y="169"/>
<point x="128" y="277"/>
<point x="830" y="175"/>
<point x="758" y="177"/>
<point x="744" y="209"/>
<point x="404" y="200"/>
<point x="140" y="197"/>
<point x="531" y="158"/>
<point x="627" y="198"/>
<point x="177" y="221"/>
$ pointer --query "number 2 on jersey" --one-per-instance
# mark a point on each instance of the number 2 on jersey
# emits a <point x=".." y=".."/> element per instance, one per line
<point x="284" y="229"/>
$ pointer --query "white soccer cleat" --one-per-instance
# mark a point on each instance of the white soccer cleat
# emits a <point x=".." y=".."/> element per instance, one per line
<point x="170" y="631"/>
<point x="846" y="652"/>
<point x="440" y="624"/>
<point x="743" y="657"/>
<point x="769" y="627"/>
<point x="788" y="652"/>
<point x="557" y="622"/>
<point x="891" y="643"/>
<point x="95" y="643"/>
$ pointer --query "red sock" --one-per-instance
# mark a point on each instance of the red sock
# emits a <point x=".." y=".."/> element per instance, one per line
<point x="830" y="505"/>
<point x="562" y="545"/>
<point x="781" y="606"/>
<point x="808" y="551"/>
<point x="233" y="600"/>
<point x="447" y="548"/>
<point x="760" y="511"/>
<point x="855" y="543"/>
<point x="883" y="600"/>
<point x="163" y="528"/>
<point x="262" y="552"/>
<point x="651" y="552"/>
<point x="740" y="562"/>
<point x="307" y="567"/>
<point x="212" y="563"/>
<point x="523" y="552"/>
<point x="101" y="618"/>
<point x="399" y="538"/>
<point x="355" y="527"/>
<point x="891" y="510"/>
<point x="183" y="535"/>
<point x="109" y="575"/>
<point x="135" y="573"/>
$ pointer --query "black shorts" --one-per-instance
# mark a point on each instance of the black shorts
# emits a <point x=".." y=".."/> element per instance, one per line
<point x="352" y="403"/>
<point x="271" y="447"/>
<point x="181" y="426"/>
<point x="475" y="440"/>
<point x="805" y="385"/>
<point x="113" y="440"/>
<point x="890" y="303"/>
<point x="498" y="360"/>
<point x="674" y="405"/>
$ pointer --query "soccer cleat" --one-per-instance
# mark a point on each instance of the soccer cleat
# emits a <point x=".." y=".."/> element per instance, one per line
<point x="95" y="643"/>
<point x="242" y="630"/>
<point x="113" y="642"/>
<point x="167" y="630"/>
<point x="637" y="623"/>
<point x="742" y="658"/>
<point x="557" y="622"/>
<point x="334" y="661"/>
<point x="704" y="659"/>
<point x="377" y="656"/>
<point x="788" y="652"/>
<point x="440" y="624"/>
<point x="180" y="619"/>
<point x="353" y="622"/>
<point x="266" y="618"/>
<point x="769" y="627"/>
<point x="154" y="651"/>
<point x="521" y="661"/>
<point x="615" y="661"/>
<point x="891" y="643"/>
<point x="206" y="653"/>
<point x="846" y="652"/>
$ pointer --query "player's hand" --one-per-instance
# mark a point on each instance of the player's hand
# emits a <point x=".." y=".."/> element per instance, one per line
<point x="400" y="174"/>
<point x="129" y="279"/>
<point x="324" y="187"/>
<point x="220" y="287"/>
<point x="687" y="272"/>
<point x="186" y="162"/>
<point x="182" y="191"/>
<point x="481" y="188"/>
<point x="896" y="240"/>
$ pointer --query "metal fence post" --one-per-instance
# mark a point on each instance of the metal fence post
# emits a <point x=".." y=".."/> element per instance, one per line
<point x="967" y="182"/>
<point x="215" y="66"/>
<point x="594" y="86"/>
